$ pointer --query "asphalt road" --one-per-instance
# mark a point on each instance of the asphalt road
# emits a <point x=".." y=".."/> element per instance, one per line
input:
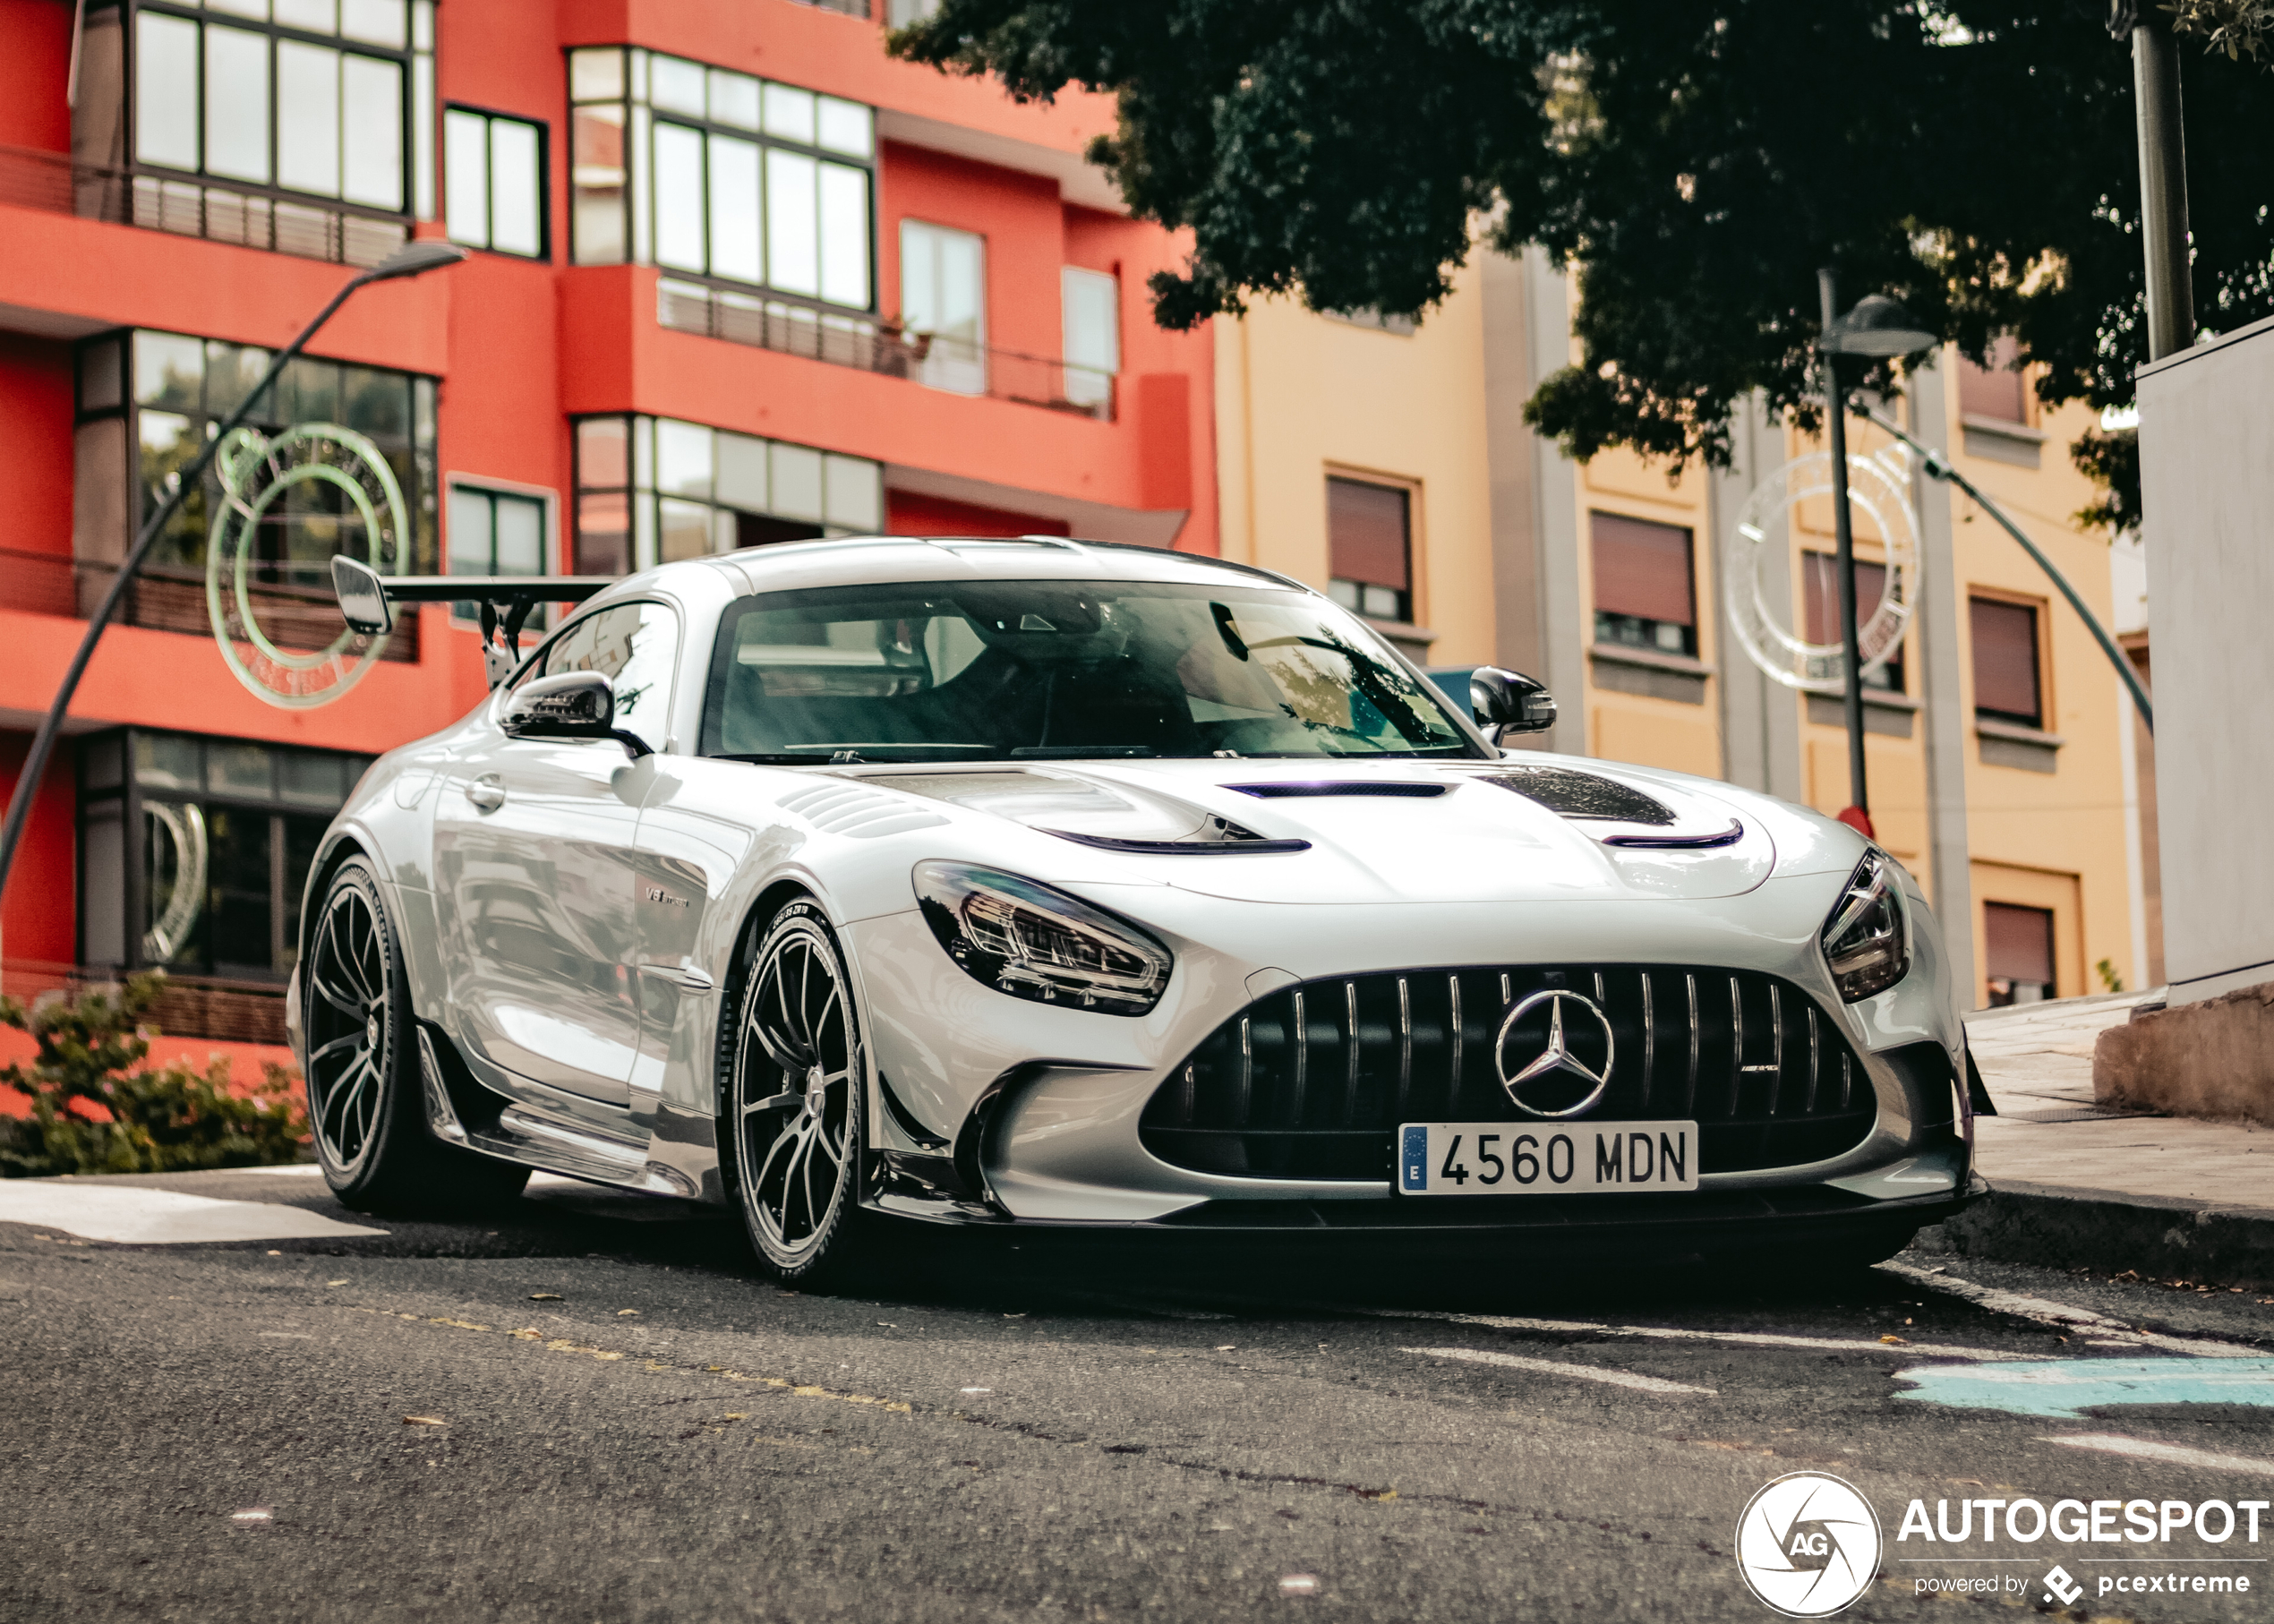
<point x="588" y="1408"/>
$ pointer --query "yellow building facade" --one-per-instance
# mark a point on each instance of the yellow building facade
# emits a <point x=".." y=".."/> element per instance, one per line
<point x="2000" y="756"/>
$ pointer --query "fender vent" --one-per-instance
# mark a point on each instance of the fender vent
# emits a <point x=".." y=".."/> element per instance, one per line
<point x="859" y="813"/>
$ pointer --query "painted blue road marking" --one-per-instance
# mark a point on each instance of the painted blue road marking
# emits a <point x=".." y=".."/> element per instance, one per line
<point x="2070" y="1387"/>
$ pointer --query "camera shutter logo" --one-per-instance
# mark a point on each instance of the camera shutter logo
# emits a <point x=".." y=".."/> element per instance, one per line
<point x="1807" y="1544"/>
<point x="1576" y="1053"/>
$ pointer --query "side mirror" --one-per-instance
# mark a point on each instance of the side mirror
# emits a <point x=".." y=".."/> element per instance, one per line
<point x="1506" y="702"/>
<point x="573" y="704"/>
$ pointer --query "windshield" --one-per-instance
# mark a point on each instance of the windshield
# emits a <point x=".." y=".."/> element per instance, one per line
<point x="941" y="670"/>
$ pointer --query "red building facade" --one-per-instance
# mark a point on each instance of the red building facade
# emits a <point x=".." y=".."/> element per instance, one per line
<point x="736" y="279"/>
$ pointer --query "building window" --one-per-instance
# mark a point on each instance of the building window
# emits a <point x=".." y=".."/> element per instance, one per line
<point x="1998" y="391"/>
<point x="2019" y="943"/>
<point x="655" y="490"/>
<point x="148" y="401"/>
<point x="315" y="115"/>
<point x="1370" y="548"/>
<point x="721" y="176"/>
<point x="493" y="181"/>
<point x="942" y="295"/>
<point x="900" y="13"/>
<point x="2008" y="684"/>
<point x="1092" y="303"/>
<point x="194" y="851"/>
<point x="1646" y="596"/>
<point x="1820" y="611"/>
<point x="494" y="533"/>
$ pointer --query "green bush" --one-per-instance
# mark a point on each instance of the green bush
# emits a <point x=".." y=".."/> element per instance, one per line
<point x="167" y="1119"/>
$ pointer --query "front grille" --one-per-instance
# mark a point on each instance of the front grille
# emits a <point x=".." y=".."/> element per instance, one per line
<point x="1311" y="1082"/>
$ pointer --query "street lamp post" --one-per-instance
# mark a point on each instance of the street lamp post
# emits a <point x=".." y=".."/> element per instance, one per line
<point x="1880" y="329"/>
<point x="411" y="259"/>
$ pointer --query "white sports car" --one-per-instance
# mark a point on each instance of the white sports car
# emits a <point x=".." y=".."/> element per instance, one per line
<point x="1045" y="882"/>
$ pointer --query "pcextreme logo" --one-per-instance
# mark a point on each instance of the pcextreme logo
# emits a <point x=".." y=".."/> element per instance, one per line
<point x="1807" y="1544"/>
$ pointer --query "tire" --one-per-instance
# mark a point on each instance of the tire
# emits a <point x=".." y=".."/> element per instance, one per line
<point x="361" y="1069"/>
<point x="796" y="1099"/>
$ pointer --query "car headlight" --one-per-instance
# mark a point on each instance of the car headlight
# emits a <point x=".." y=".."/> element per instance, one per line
<point x="1023" y="939"/>
<point x="1864" y="941"/>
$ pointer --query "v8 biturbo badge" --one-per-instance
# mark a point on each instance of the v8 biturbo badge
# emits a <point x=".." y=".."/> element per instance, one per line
<point x="288" y="505"/>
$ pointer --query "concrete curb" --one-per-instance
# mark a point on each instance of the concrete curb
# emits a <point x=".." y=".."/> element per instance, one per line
<point x="2165" y="1237"/>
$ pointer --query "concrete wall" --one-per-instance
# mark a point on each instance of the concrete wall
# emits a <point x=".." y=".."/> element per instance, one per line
<point x="2207" y="476"/>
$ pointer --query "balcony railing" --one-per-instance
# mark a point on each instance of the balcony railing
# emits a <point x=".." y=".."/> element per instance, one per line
<point x="875" y="346"/>
<point x="55" y="182"/>
<point x="162" y="599"/>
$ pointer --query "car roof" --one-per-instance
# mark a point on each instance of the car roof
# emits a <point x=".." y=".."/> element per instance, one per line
<point x="858" y="560"/>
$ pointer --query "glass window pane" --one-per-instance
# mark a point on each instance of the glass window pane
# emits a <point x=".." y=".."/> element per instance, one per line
<point x="734" y="210"/>
<point x="520" y="535"/>
<point x="473" y="537"/>
<point x="604" y="535"/>
<point x="676" y="85"/>
<point x="601" y="460"/>
<point x="378" y="21"/>
<point x="372" y="93"/>
<point x="238" y="769"/>
<point x="596" y="74"/>
<point x="168" y="761"/>
<point x="797" y="482"/>
<point x="241" y="889"/>
<point x="596" y="184"/>
<point x="517" y="182"/>
<point x="679" y="196"/>
<point x="237" y="103"/>
<point x="164" y="90"/>
<point x="316" y="16"/>
<point x="1093" y="334"/>
<point x="847" y="126"/>
<point x="304" y="837"/>
<point x="422" y="130"/>
<point x="169" y="369"/>
<point x="230" y="375"/>
<point x="242" y="8"/>
<point x="844" y="235"/>
<point x="309" y="392"/>
<point x="789" y="112"/>
<point x="466" y="176"/>
<point x="176" y="878"/>
<point x="422" y="25"/>
<point x="741" y="472"/>
<point x="855" y="492"/>
<point x="793" y="257"/>
<point x="734" y="100"/>
<point x="308" y="119"/>
<point x="683" y="458"/>
<point x="686" y="531"/>
<point x="377" y="404"/>
<point x="308" y="778"/>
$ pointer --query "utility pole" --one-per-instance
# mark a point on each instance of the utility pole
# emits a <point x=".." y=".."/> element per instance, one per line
<point x="2163" y="178"/>
<point x="1835" y="424"/>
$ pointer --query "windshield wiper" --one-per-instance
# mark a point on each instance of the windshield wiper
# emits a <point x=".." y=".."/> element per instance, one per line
<point x="1076" y="752"/>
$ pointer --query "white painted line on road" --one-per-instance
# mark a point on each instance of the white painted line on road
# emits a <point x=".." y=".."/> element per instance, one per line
<point x="138" y="1215"/>
<point x="2114" y="1443"/>
<point x="287" y="1169"/>
<point x="1677" y="1333"/>
<point x="2061" y="1314"/>
<point x="1550" y="1367"/>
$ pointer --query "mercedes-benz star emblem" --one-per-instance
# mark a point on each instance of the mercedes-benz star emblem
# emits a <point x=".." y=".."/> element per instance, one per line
<point x="1569" y="1050"/>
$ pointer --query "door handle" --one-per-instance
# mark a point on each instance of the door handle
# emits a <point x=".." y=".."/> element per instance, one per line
<point x="487" y="793"/>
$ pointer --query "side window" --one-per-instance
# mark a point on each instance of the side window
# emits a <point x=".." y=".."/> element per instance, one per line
<point x="635" y="645"/>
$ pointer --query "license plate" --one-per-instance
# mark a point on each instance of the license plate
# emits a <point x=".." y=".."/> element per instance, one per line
<point x="1541" y="1158"/>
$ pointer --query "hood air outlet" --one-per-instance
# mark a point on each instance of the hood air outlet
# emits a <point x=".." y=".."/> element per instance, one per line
<point x="1287" y="791"/>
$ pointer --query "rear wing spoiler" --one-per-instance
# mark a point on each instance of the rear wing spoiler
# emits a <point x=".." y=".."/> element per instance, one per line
<point x="367" y="601"/>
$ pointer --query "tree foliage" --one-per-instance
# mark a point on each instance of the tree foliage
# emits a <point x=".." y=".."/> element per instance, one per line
<point x="1974" y="158"/>
<point x="96" y="1108"/>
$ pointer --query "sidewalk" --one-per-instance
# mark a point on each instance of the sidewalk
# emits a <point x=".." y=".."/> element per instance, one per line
<point x="2077" y="1186"/>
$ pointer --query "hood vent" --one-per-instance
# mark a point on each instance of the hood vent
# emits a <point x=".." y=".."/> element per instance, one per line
<point x="1680" y="842"/>
<point x="1287" y="792"/>
<point x="1570" y="794"/>
<point x="1217" y="834"/>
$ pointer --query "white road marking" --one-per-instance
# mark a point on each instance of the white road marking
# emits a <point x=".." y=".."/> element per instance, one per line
<point x="2061" y="1314"/>
<point x="140" y="1216"/>
<point x="1674" y="1333"/>
<point x="1550" y="1367"/>
<point x="2115" y="1444"/>
<point x="287" y="1170"/>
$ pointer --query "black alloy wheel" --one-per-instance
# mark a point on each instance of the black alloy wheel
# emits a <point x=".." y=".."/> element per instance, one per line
<point x="795" y="1107"/>
<point x="365" y="1106"/>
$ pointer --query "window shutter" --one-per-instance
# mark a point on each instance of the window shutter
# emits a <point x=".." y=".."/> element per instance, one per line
<point x="1820" y="595"/>
<point x="2006" y="675"/>
<point x="1994" y="391"/>
<point x="2019" y="943"/>
<point x="1643" y="569"/>
<point x="1369" y="534"/>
